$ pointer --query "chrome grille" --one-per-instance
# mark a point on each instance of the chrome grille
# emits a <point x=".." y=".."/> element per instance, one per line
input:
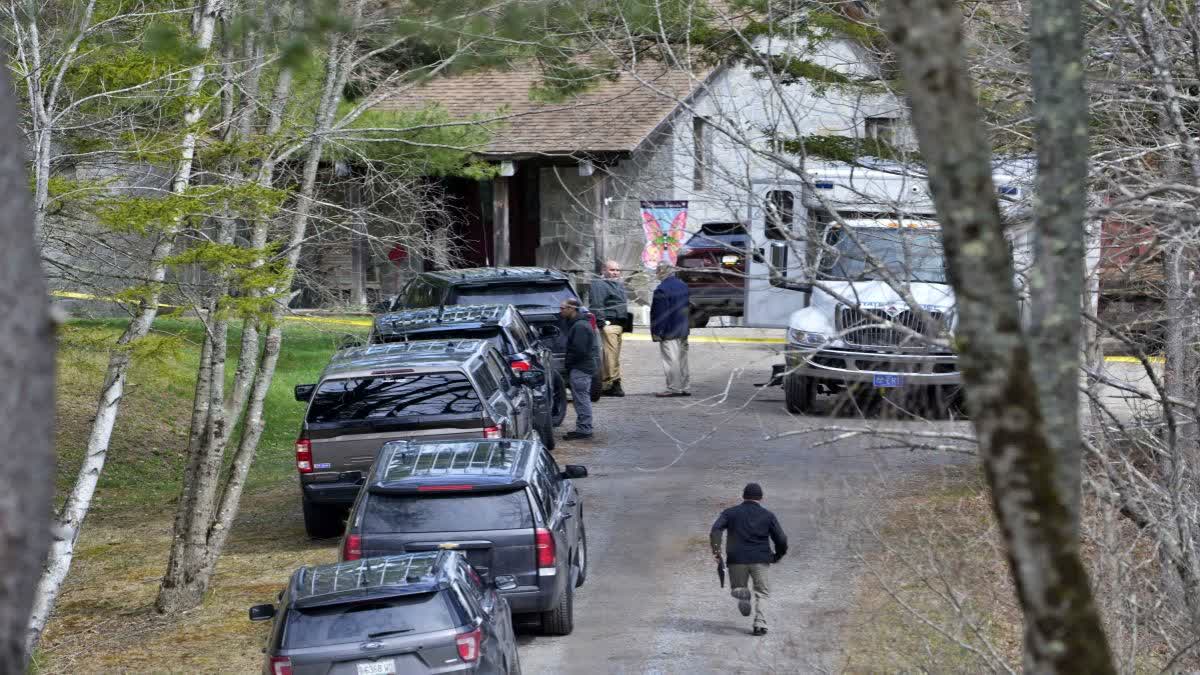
<point x="865" y="327"/>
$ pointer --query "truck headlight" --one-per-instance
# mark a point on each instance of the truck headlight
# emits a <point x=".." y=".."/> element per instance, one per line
<point x="806" y="338"/>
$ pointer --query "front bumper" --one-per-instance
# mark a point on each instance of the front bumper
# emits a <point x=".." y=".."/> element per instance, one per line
<point x="857" y="366"/>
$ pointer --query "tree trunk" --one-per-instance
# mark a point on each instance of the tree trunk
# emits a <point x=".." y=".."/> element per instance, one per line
<point x="1063" y="629"/>
<point x="26" y="400"/>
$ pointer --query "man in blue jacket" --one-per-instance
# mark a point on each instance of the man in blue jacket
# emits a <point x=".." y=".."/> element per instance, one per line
<point x="669" y="328"/>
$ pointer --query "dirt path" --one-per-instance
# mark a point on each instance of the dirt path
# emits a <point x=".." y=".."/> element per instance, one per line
<point x="652" y="603"/>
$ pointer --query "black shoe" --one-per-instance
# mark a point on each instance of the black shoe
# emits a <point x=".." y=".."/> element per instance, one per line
<point x="575" y="435"/>
<point x="616" y="390"/>
<point x="743" y="597"/>
<point x="759" y="630"/>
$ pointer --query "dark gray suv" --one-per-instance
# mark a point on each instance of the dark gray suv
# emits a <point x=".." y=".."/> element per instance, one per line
<point x="414" y="613"/>
<point x="505" y="504"/>
<point x="501" y="325"/>
<point x="368" y="396"/>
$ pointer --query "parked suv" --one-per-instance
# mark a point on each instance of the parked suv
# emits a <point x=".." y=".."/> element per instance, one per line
<point x="535" y="291"/>
<point x="501" y="325"/>
<point x="713" y="265"/>
<point x="413" y="613"/>
<point x="503" y="503"/>
<point x="368" y="396"/>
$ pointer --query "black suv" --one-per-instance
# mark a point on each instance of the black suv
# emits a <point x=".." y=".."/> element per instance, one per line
<point x="504" y="503"/>
<point x="428" y="389"/>
<point x="503" y="326"/>
<point x="414" y="613"/>
<point x="535" y="291"/>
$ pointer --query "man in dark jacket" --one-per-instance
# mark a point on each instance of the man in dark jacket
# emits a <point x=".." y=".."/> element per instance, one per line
<point x="580" y="364"/>
<point x="608" y="300"/>
<point x="669" y="328"/>
<point x="752" y="528"/>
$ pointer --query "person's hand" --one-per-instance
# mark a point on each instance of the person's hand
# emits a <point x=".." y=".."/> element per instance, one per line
<point x="716" y="556"/>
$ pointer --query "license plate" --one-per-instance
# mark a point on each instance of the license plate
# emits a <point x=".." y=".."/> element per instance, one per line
<point x="387" y="667"/>
<point x="729" y="260"/>
<point x="888" y="381"/>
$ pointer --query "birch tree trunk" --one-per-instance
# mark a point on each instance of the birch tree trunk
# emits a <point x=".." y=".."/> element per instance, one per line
<point x="196" y="549"/>
<point x="1063" y="628"/>
<point x="70" y="519"/>
<point x="26" y="400"/>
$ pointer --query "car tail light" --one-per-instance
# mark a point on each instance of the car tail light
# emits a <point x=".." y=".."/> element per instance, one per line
<point x="493" y="432"/>
<point x="281" y="665"/>
<point x="592" y="320"/>
<point x="352" y="547"/>
<point x="468" y="645"/>
<point x="521" y="366"/>
<point x="304" y="462"/>
<point x="544" y="542"/>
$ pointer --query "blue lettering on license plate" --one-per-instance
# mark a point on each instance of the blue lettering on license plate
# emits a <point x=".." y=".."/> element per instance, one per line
<point x="889" y="380"/>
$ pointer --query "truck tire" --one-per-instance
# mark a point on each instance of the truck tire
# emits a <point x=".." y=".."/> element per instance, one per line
<point x="798" y="393"/>
<point x="558" y="407"/>
<point x="561" y="619"/>
<point x="697" y="319"/>
<point x="320" y="521"/>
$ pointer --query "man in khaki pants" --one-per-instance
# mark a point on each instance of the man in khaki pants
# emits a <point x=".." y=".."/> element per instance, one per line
<point x="752" y="530"/>
<point x="608" y="301"/>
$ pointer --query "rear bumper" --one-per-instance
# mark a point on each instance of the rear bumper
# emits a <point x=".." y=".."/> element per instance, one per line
<point x="534" y="599"/>
<point x="333" y="493"/>
<point x="852" y="366"/>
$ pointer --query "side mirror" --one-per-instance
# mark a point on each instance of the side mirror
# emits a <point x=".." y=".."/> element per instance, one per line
<point x="304" y="392"/>
<point x="505" y="583"/>
<point x="347" y="341"/>
<point x="532" y="378"/>
<point x="262" y="612"/>
<point x="575" y="471"/>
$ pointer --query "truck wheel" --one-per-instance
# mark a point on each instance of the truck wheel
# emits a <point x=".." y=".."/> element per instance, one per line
<point x="558" y="407"/>
<point x="561" y="619"/>
<point x="697" y="319"/>
<point x="321" y="522"/>
<point x="798" y="393"/>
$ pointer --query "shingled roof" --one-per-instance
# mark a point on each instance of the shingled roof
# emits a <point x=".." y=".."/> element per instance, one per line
<point x="612" y="116"/>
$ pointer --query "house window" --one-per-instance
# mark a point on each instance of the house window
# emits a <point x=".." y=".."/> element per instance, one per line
<point x="700" y="152"/>
<point x="882" y="129"/>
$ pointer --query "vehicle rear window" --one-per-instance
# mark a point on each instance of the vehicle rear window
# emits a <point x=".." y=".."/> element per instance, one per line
<point x="521" y="296"/>
<point x="719" y="235"/>
<point x="391" y="396"/>
<point x="367" y="620"/>
<point x="459" y="512"/>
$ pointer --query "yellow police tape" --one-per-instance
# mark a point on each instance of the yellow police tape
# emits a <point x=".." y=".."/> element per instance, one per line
<point x="641" y="337"/>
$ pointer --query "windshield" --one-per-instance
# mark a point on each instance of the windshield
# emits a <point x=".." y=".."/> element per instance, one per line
<point x="392" y="396"/>
<point x="362" y="621"/>
<point x="909" y="254"/>
<point x="528" y="296"/>
<point x="462" y="512"/>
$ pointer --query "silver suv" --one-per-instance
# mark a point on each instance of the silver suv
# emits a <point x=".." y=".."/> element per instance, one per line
<point x="367" y="396"/>
<point x="413" y="613"/>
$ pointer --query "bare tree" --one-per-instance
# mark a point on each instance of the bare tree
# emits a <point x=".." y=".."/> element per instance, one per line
<point x="27" y="402"/>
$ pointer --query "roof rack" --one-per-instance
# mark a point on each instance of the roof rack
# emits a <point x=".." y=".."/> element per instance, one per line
<point x="413" y="319"/>
<point x="368" y="573"/>
<point x="405" y="466"/>
<point x="413" y="348"/>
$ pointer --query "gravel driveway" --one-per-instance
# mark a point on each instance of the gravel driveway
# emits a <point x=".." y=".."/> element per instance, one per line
<point x="652" y="603"/>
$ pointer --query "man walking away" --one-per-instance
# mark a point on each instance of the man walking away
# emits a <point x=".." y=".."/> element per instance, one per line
<point x="608" y="300"/>
<point x="751" y="529"/>
<point x="581" y="366"/>
<point x="669" y="328"/>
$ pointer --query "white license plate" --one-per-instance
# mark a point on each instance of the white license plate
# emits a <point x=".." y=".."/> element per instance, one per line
<point x="888" y="381"/>
<point x="729" y="260"/>
<point x="387" y="667"/>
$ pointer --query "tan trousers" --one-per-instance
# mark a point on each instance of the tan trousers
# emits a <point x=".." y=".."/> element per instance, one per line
<point x="739" y="575"/>
<point x="675" y="364"/>
<point x="612" y="354"/>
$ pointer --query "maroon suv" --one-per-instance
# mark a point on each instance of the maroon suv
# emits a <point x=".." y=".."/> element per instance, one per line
<point x="713" y="265"/>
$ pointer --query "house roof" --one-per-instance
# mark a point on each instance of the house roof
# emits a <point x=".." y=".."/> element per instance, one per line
<point x="612" y="116"/>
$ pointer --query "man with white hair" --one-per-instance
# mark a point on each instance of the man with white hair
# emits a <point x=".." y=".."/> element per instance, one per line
<point x="609" y="302"/>
<point x="669" y="327"/>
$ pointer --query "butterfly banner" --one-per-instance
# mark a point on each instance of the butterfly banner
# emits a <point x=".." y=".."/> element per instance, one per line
<point x="664" y="223"/>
